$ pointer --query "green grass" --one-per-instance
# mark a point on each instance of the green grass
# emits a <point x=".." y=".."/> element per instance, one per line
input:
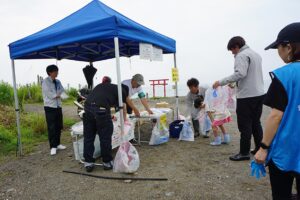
<point x="33" y="131"/>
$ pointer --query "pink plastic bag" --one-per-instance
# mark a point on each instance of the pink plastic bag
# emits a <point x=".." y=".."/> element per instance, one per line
<point x="127" y="159"/>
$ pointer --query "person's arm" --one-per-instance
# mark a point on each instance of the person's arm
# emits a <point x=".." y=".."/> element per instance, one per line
<point x="145" y="104"/>
<point x="271" y="126"/>
<point x="241" y="65"/>
<point x="135" y="110"/>
<point x="124" y="112"/>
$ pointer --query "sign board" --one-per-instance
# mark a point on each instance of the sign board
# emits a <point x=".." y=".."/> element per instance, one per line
<point x="149" y="52"/>
<point x="175" y="75"/>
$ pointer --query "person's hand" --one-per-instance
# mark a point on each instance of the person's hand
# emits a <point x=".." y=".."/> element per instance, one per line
<point x="216" y="84"/>
<point x="136" y="113"/>
<point x="261" y="156"/>
<point x="150" y="112"/>
<point x="57" y="97"/>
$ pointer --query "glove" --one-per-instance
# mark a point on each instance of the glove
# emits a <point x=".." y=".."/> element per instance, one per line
<point x="257" y="169"/>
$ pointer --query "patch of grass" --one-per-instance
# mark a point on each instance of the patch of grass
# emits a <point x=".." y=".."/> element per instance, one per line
<point x="6" y="94"/>
<point x="33" y="131"/>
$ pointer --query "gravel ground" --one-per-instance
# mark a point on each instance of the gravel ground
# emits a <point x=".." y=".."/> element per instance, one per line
<point x="195" y="170"/>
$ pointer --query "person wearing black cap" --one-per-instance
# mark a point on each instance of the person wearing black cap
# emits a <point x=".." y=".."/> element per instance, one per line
<point x="52" y="90"/>
<point x="97" y="120"/>
<point x="250" y="94"/>
<point x="280" y="146"/>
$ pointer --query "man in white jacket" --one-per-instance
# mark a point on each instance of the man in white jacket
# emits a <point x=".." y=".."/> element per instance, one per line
<point x="52" y="90"/>
<point x="250" y="94"/>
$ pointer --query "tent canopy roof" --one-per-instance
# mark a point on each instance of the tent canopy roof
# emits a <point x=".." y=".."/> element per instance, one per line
<point x="88" y="35"/>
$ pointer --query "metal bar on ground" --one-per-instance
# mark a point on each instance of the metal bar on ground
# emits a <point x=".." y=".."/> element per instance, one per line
<point x="116" y="178"/>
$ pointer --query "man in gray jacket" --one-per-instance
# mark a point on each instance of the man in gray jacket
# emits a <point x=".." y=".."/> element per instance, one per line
<point x="250" y="94"/>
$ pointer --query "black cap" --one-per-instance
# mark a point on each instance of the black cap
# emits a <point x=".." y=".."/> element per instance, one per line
<point x="289" y="34"/>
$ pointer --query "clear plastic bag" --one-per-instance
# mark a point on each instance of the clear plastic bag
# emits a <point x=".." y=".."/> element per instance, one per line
<point x="127" y="159"/>
<point x="186" y="133"/>
<point x="160" y="132"/>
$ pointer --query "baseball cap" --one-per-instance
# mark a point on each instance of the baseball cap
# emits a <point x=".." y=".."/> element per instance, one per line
<point x="139" y="79"/>
<point x="289" y="34"/>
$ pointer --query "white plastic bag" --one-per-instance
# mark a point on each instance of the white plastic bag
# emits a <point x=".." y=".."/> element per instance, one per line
<point x="186" y="133"/>
<point x="160" y="132"/>
<point x="127" y="159"/>
<point x="204" y="121"/>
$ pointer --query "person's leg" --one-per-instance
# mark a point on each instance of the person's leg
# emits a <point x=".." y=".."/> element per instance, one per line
<point x="196" y="126"/>
<point x="225" y="135"/>
<point x="105" y="131"/>
<point x="256" y="124"/>
<point x="281" y="183"/>
<point x="89" y="133"/>
<point x="217" y="139"/>
<point x="244" y="121"/>
<point x="51" y="126"/>
<point x="59" y="125"/>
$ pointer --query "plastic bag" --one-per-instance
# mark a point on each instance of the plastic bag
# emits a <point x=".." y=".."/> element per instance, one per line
<point x="204" y="121"/>
<point x="127" y="159"/>
<point x="160" y="132"/>
<point x="186" y="133"/>
<point x="216" y="100"/>
<point x="230" y="98"/>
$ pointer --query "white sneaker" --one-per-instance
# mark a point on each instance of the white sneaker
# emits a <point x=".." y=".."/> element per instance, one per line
<point x="226" y="139"/>
<point x="217" y="141"/>
<point x="61" y="147"/>
<point x="53" y="151"/>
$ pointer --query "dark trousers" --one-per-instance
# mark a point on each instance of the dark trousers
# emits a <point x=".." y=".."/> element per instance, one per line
<point x="248" y="112"/>
<point x="54" y="119"/>
<point x="196" y="125"/>
<point x="282" y="183"/>
<point x="98" y="122"/>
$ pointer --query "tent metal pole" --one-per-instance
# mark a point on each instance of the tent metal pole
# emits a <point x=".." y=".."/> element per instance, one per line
<point x="117" y="56"/>
<point x="19" y="142"/>
<point x="176" y="87"/>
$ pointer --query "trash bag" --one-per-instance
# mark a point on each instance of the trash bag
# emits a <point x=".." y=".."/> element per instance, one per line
<point x="127" y="159"/>
<point x="216" y="100"/>
<point x="175" y="128"/>
<point x="159" y="136"/>
<point x="204" y="121"/>
<point x="160" y="132"/>
<point x="186" y="133"/>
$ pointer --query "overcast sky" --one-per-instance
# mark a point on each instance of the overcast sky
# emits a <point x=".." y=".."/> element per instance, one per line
<point x="201" y="29"/>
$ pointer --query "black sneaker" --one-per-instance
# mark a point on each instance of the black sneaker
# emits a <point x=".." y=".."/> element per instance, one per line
<point x="239" y="157"/>
<point x="197" y="134"/>
<point x="89" y="168"/>
<point x="108" y="165"/>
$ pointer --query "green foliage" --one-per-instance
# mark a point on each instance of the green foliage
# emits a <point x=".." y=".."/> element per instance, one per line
<point x="72" y="92"/>
<point x="6" y="94"/>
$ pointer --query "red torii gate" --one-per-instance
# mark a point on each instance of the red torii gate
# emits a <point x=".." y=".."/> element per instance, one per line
<point x="159" y="82"/>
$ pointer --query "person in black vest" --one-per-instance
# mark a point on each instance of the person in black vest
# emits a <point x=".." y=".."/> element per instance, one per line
<point x="97" y="119"/>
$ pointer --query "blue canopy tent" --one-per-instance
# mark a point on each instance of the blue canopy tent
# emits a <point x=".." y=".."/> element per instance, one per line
<point x="93" y="33"/>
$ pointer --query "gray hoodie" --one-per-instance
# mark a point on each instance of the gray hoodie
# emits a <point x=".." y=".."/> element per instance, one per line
<point x="247" y="74"/>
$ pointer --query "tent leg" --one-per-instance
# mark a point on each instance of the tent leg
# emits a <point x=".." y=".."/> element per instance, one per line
<point x="19" y="142"/>
<point x="176" y="87"/>
<point x="117" y="55"/>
